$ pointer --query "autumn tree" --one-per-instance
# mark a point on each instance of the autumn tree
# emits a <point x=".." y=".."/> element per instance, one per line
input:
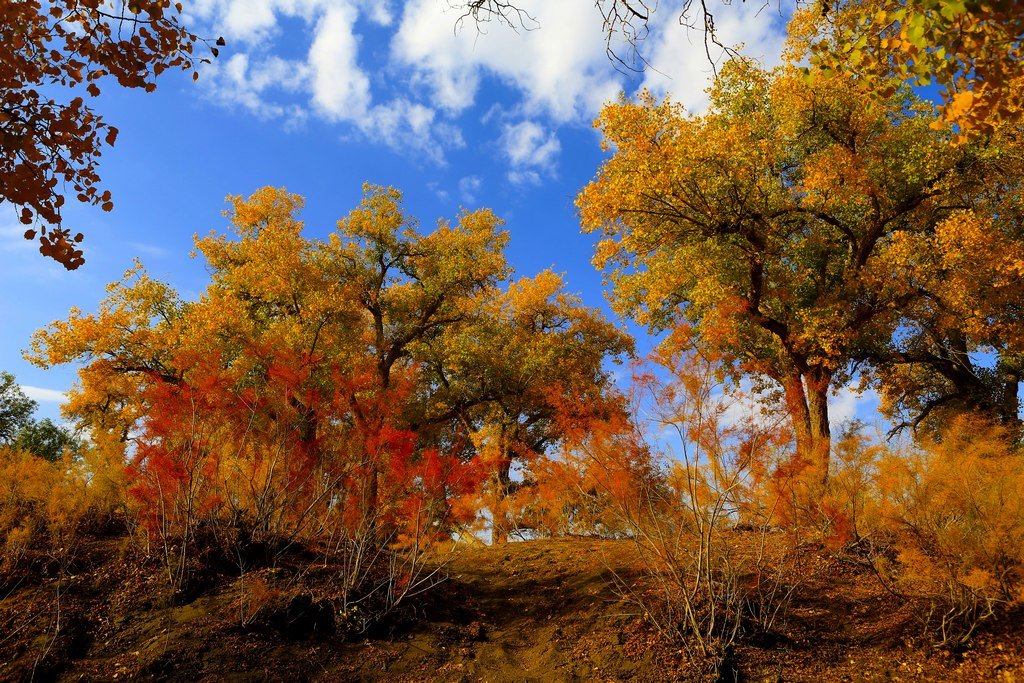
<point x="51" y="145"/>
<point x="601" y="468"/>
<point x="410" y="289"/>
<point x="127" y="344"/>
<point x="763" y="226"/>
<point x="337" y="318"/>
<point x="530" y="370"/>
<point x="337" y="379"/>
<point x="960" y="348"/>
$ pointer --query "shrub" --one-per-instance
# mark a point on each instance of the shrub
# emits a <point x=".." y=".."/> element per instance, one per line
<point x="44" y="506"/>
<point x="699" y="518"/>
<point x="954" y="511"/>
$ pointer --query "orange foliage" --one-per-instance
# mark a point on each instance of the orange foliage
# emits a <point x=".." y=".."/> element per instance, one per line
<point x="239" y="451"/>
<point x="49" y="144"/>
<point x="970" y="50"/>
<point x="955" y="511"/>
<point x="325" y="391"/>
<point x="603" y="468"/>
<point x="942" y="520"/>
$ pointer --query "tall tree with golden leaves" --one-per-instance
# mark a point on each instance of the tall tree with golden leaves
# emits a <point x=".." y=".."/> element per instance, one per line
<point x="762" y="227"/>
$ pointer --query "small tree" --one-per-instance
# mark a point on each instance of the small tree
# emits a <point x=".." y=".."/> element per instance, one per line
<point x="706" y="581"/>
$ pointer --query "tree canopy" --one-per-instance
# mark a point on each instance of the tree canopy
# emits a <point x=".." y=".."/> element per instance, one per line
<point x="971" y="50"/>
<point x="365" y="357"/>
<point x="774" y="229"/>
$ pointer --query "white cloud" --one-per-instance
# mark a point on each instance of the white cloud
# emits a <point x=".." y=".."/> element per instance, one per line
<point x="44" y="395"/>
<point x="468" y="187"/>
<point x="848" y="404"/>
<point x="248" y="20"/>
<point x="340" y="88"/>
<point x="12" y="235"/>
<point x="438" y="191"/>
<point x="410" y="95"/>
<point x="679" y="59"/>
<point x="251" y="22"/>
<point x="328" y="81"/>
<point x="560" y="69"/>
<point x="523" y="177"/>
<point x="152" y="250"/>
<point x="528" y="144"/>
<point x="248" y="83"/>
<point x="531" y="150"/>
<point x="844" y="404"/>
<point x="379" y="11"/>
<point x="744" y="406"/>
<point x="405" y="125"/>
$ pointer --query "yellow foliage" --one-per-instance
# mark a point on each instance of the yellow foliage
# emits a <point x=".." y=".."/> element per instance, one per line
<point x="971" y="50"/>
<point x="951" y="509"/>
<point x="42" y="504"/>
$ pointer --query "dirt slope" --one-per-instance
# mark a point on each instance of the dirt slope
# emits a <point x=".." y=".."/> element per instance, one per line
<point x="537" y="611"/>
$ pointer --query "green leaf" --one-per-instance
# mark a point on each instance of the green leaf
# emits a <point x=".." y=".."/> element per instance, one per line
<point x="951" y="9"/>
<point x="915" y="32"/>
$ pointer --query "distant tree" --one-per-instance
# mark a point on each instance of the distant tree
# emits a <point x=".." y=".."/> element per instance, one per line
<point x="410" y="288"/>
<point x="15" y="409"/>
<point x="529" y="368"/>
<point x="47" y="439"/>
<point x="19" y="430"/>
<point x="51" y="145"/>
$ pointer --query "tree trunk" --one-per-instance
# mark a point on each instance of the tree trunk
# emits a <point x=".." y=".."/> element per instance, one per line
<point x="499" y="491"/>
<point x="368" y="484"/>
<point x="807" y="404"/>
<point x="796" y="406"/>
<point x="1010" y="408"/>
<point x="821" y="436"/>
<point x="368" y="500"/>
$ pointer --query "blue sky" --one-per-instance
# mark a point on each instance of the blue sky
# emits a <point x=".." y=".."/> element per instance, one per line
<point x="321" y="95"/>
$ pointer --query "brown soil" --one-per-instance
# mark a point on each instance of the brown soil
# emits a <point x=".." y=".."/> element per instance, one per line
<point x="535" y="611"/>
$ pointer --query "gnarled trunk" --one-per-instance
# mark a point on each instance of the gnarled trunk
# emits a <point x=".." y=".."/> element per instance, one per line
<point x="821" y="436"/>
<point x="807" y="403"/>
<point x="796" y="406"/>
<point x="367" y="483"/>
<point x="500" y="481"/>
